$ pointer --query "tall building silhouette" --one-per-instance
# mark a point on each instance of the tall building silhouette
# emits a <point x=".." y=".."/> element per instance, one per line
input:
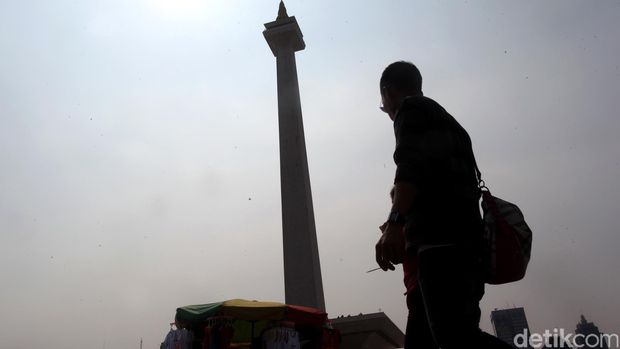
<point x="591" y="336"/>
<point x="507" y="323"/>
<point x="302" y="270"/>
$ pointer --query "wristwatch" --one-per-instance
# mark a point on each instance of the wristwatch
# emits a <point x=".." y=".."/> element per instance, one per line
<point x="396" y="217"/>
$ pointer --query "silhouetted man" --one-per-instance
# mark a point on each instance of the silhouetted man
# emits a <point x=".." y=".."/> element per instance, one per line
<point x="436" y="200"/>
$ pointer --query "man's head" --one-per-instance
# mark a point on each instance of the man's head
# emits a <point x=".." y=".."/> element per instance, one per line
<point x="399" y="80"/>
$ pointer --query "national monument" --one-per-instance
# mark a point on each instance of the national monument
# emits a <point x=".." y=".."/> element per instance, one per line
<point x="303" y="284"/>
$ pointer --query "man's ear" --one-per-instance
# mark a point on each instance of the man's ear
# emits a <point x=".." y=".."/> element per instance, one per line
<point x="387" y="91"/>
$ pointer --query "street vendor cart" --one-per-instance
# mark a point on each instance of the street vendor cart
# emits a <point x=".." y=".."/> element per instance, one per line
<point x="240" y="323"/>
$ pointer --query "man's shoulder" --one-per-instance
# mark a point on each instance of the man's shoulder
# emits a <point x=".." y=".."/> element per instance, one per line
<point x="421" y="104"/>
<point x="422" y="109"/>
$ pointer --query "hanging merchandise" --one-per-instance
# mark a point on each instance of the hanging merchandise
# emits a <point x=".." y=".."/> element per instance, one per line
<point x="178" y="338"/>
<point x="218" y="333"/>
<point x="281" y="338"/>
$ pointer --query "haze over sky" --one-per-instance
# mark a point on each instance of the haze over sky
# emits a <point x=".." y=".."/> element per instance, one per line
<point x="139" y="153"/>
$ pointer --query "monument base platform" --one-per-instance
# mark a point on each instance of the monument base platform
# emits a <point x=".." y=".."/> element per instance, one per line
<point x="368" y="331"/>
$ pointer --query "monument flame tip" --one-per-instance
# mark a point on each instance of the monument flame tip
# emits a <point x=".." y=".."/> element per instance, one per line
<point x="282" y="11"/>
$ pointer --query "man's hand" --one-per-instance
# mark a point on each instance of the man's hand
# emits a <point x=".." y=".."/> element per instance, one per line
<point x="390" y="248"/>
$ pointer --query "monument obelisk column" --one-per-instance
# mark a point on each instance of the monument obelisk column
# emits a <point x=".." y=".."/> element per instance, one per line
<point x="302" y="270"/>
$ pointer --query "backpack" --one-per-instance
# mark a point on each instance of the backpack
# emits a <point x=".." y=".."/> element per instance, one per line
<point x="507" y="238"/>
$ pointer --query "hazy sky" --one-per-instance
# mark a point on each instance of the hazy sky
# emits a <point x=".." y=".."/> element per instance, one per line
<point x="133" y="135"/>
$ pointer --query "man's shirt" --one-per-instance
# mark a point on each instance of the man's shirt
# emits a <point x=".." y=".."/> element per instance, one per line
<point x="434" y="153"/>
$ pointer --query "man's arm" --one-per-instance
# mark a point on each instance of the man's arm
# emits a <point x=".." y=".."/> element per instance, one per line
<point x="390" y="248"/>
<point x="404" y="194"/>
<point x="408" y="129"/>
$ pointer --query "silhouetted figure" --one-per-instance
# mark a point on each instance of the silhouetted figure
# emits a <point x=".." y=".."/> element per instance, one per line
<point x="436" y="200"/>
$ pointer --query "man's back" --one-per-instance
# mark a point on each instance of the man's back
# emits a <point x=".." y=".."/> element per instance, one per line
<point x="434" y="152"/>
